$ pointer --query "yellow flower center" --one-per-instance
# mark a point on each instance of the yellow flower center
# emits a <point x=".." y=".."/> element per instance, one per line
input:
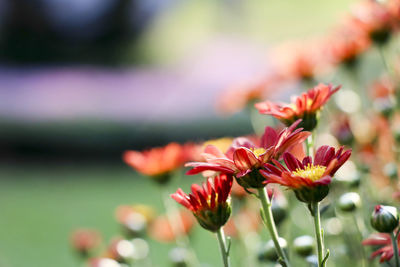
<point x="311" y="172"/>
<point x="258" y="151"/>
<point x="308" y="105"/>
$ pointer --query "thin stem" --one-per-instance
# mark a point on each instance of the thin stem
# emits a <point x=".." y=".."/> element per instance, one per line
<point x="270" y="223"/>
<point x="222" y="246"/>
<point x="360" y="236"/>
<point x="384" y="61"/>
<point x="310" y="145"/>
<point x="318" y="233"/>
<point x="395" y="249"/>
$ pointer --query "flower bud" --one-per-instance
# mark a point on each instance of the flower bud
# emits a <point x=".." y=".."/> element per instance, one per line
<point x="304" y="245"/>
<point x="385" y="219"/>
<point x="279" y="208"/>
<point x="267" y="251"/>
<point x="390" y="170"/>
<point x="179" y="257"/>
<point x="349" y="202"/>
<point x="385" y="106"/>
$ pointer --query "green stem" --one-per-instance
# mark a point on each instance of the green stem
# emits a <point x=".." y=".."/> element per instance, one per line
<point x="360" y="236"/>
<point x="318" y="233"/>
<point x="310" y="145"/>
<point x="395" y="249"/>
<point x="223" y="248"/>
<point x="270" y="223"/>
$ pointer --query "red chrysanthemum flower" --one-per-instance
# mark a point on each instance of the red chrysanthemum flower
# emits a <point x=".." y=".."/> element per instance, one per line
<point x="384" y="240"/>
<point x="244" y="158"/>
<point x="209" y="203"/>
<point x="157" y="162"/>
<point x="309" y="179"/>
<point x="305" y="107"/>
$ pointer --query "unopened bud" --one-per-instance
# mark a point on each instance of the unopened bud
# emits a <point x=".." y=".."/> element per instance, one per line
<point x="385" y="219"/>
<point x="349" y="202"/>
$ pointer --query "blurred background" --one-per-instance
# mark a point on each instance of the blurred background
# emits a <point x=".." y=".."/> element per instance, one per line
<point x="83" y="80"/>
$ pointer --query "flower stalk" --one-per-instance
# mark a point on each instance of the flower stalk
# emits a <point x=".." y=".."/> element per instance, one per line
<point x="223" y="247"/>
<point x="395" y="249"/>
<point x="269" y="222"/>
<point x="318" y="234"/>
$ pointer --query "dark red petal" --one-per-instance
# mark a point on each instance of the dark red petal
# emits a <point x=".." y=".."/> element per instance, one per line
<point x="269" y="137"/>
<point x="291" y="162"/>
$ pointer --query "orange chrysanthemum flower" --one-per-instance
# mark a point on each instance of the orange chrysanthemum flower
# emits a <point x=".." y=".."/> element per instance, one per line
<point x="162" y="230"/>
<point x="309" y="179"/>
<point x="347" y="44"/>
<point x="375" y="20"/>
<point x="157" y="162"/>
<point x="305" y="107"/>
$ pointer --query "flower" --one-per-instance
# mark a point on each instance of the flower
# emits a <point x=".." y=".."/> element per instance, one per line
<point x="101" y="262"/>
<point x="384" y="240"/>
<point x="346" y="44"/>
<point x="244" y="94"/>
<point x="244" y="158"/>
<point x="309" y="179"/>
<point x="299" y="60"/>
<point x="210" y="203"/>
<point x="157" y="162"/>
<point x="85" y="240"/>
<point x="305" y="107"/>
<point x="134" y="218"/>
<point x="163" y="231"/>
<point x="375" y="19"/>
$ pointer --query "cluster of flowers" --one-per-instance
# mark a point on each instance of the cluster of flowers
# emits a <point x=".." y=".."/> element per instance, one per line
<point x="241" y="175"/>
<point x="370" y="24"/>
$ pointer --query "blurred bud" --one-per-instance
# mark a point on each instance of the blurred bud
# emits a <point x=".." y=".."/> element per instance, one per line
<point x="84" y="241"/>
<point x="384" y="106"/>
<point x="385" y="219"/>
<point x="142" y="248"/>
<point x="267" y="251"/>
<point x="121" y="250"/>
<point x="390" y="170"/>
<point x="279" y="208"/>
<point x="304" y="245"/>
<point x="312" y="260"/>
<point x="103" y="262"/>
<point x="179" y="257"/>
<point x="349" y="202"/>
<point x="396" y="132"/>
<point x="333" y="227"/>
